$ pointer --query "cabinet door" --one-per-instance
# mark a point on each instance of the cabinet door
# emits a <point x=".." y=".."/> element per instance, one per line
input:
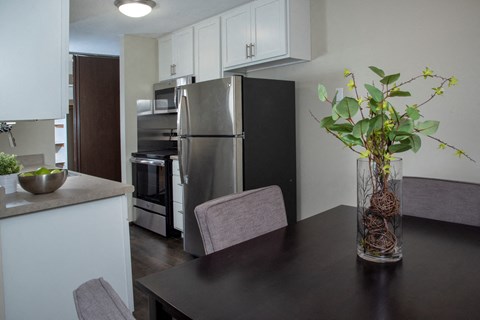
<point x="177" y="189"/>
<point x="60" y="248"/>
<point x="269" y="26"/>
<point x="182" y="43"/>
<point x="33" y="59"/>
<point x="165" y="58"/>
<point x="207" y="50"/>
<point x="175" y="168"/>
<point x="236" y="36"/>
<point x="178" y="216"/>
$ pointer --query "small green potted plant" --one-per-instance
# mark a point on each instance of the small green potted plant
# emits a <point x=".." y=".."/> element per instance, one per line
<point x="9" y="168"/>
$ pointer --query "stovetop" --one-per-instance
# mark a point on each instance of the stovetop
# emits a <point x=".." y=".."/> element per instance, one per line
<point x="156" y="154"/>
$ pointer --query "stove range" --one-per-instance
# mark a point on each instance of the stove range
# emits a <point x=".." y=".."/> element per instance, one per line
<point x="152" y="198"/>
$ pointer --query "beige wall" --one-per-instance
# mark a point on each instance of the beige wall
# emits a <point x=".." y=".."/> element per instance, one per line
<point x="32" y="137"/>
<point x="397" y="36"/>
<point x="138" y="72"/>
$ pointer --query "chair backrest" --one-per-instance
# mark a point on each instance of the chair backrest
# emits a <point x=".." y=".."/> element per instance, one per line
<point x="445" y="200"/>
<point x="97" y="300"/>
<point x="235" y="218"/>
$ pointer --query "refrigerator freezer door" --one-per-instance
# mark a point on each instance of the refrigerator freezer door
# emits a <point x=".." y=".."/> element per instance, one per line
<point x="211" y="108"/>
<point x="214" y="169"/>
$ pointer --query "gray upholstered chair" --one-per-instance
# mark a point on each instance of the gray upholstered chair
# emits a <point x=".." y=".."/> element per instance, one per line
<point x="97" y="300"/>
<point x="444" y="200"/>
<point x="235" y="218"/>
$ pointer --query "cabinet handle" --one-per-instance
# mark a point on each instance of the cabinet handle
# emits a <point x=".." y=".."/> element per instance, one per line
<point x="171" y="69"/>
<point x="252" y="48"/>
<point x="247" y="47"/>
<point x="174" y="69"/>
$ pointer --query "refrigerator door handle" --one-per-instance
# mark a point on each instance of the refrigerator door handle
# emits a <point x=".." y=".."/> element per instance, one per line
<point x="184" y="102"/>
<point x="176" y="94"/>
<point x="183" y="157"/>
<point x="180" y="113"/>
<point x="183" y="116"/>
<point x="183" y="130"/>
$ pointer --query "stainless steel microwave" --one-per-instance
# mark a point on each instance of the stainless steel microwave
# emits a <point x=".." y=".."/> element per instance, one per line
<point x="165" y="94"/>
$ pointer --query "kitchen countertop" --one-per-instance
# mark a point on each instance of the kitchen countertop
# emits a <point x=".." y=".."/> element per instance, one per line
<point x="78" y="188"/>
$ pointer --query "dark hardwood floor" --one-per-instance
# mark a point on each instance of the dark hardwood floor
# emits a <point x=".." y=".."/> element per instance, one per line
<point x="152" y="253"/>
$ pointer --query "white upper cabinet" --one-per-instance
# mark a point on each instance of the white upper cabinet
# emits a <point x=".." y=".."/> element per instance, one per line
<point x="207" y="50"/>
<point x="34" y="59"/>
<point x="175" y="54"/>
<point x="165" y="68"/>
<point x="182" y="46"/>
<point x="266" y="31"/>
<point x="269" y="32"/>
<point x="236" y="36"/>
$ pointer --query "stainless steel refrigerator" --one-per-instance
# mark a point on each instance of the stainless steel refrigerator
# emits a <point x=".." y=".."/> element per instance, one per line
<point x="235" y="134"/>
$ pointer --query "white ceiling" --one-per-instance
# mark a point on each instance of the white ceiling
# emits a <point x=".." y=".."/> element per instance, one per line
<point x="96" y="26"/>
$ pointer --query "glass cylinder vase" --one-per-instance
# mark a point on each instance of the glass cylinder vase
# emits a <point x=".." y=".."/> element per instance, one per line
<point x="379" y="210"/>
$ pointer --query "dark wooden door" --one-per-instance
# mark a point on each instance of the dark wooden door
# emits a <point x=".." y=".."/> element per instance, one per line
<point x="96" y="116"/>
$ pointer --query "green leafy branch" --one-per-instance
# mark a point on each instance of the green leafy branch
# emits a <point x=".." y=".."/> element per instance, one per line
<point x="379" y="128"/>
<point x="335" y="134"/>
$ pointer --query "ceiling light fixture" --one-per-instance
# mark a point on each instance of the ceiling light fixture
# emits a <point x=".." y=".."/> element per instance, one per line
<point x="135" y="8"/>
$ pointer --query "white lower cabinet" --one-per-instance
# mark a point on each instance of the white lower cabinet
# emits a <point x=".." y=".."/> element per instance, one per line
<point x="177" y="189"/>
<point x="46" y="255"/>
<point x="177" y="197"/>
<point x="178" y="216"/>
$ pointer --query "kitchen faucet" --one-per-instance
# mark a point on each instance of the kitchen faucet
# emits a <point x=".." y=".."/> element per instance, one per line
<point x="7" y="128"/>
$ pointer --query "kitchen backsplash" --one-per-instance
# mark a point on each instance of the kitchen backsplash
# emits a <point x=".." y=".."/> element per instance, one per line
<point x="32" y="137"/>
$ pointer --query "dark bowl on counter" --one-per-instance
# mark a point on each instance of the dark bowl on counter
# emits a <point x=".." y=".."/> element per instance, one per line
<point x="44" y="183"/>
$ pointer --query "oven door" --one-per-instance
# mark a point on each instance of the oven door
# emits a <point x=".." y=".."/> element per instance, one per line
<point x="149" y="179"/>
<point x="150" y="197"/>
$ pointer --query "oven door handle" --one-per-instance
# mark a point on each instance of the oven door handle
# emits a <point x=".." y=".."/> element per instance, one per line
<point x="150" y="162"/>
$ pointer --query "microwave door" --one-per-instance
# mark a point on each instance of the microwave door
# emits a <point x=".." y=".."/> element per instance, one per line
<point x="165" y="101"/>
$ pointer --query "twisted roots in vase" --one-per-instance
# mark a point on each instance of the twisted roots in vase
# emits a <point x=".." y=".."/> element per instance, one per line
<point x="379" y="238"/>
<point x="385" y="204"/>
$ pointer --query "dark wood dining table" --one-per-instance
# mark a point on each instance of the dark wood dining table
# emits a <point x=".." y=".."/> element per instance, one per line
<point x="310" y="271"/>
